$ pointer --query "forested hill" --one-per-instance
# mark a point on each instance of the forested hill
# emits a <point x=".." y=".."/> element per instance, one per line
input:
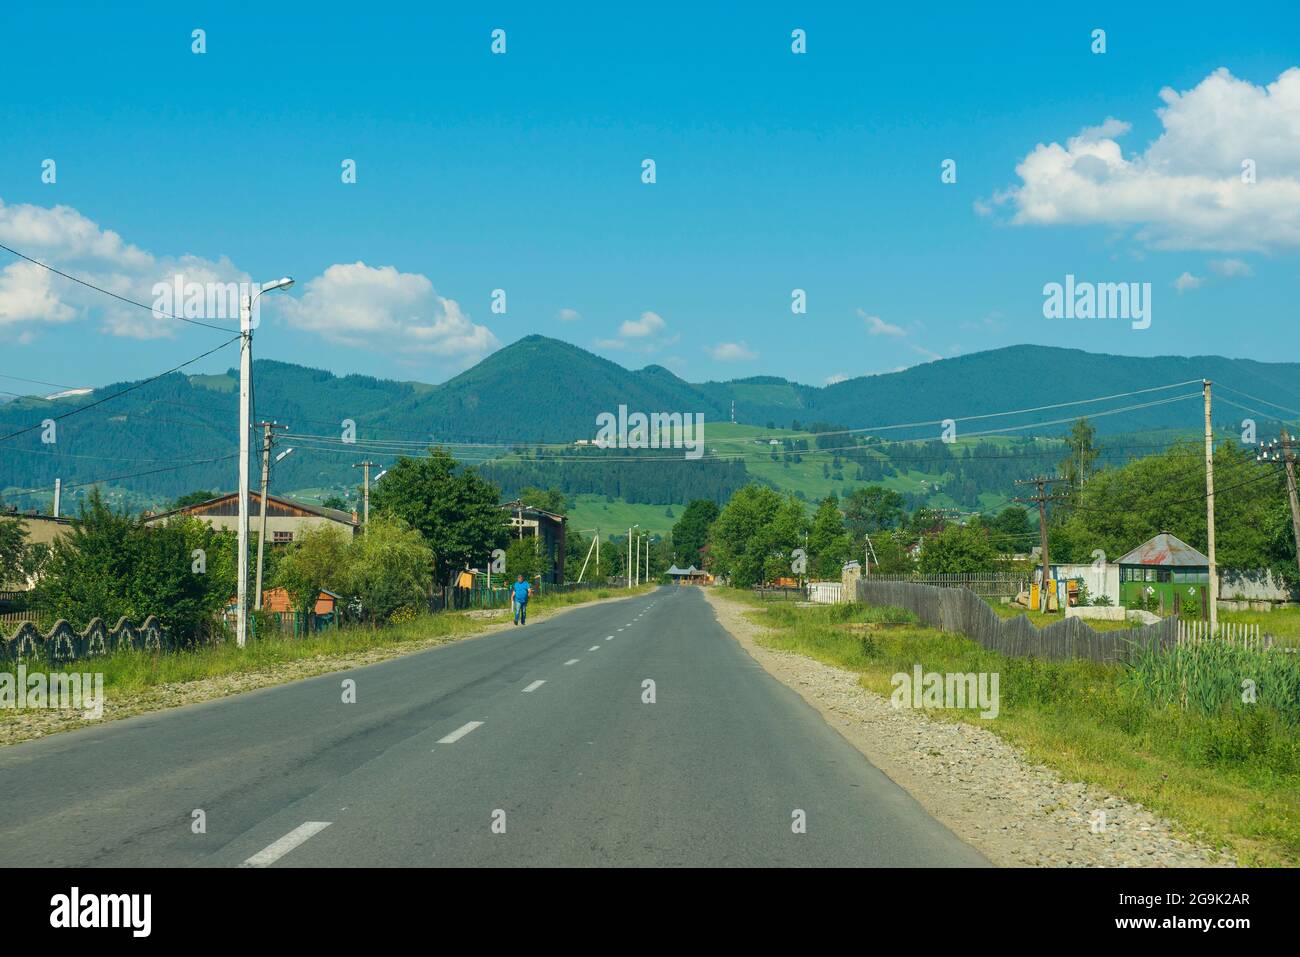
<point x="157" y="439"/>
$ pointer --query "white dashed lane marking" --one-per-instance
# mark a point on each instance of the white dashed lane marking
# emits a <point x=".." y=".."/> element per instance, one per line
<point x="460" y="732"/>
<point x="571" y="661"/>
<point x="594" y="648"/>
<point x="273" y="852"/>
<point x="535" y="685"/>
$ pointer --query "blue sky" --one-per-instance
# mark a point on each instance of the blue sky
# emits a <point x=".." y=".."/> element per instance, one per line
<point x="522" y="172"/>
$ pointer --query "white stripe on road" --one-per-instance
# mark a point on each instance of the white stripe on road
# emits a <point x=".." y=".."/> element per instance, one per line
<point x="535" y="685"/>
<point x="571" y="661"/>
<point x="594" y="648"/>
<point x="273" y="852"/>
<point x="610" y="638"/>
<point x="460" y="732"/>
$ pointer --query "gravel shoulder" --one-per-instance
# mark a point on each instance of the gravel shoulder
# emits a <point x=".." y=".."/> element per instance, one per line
<point x="1016" y="812"/>
<point x="27" y="724"/>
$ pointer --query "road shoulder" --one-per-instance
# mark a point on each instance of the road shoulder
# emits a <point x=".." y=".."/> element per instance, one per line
<point x="1017" y="813"/>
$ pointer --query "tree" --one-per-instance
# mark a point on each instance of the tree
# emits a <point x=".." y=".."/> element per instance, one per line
<point x="13" y="550"/>
<point x="1079" y="466"/>
<point x="958" y="548"/>
<point x="891" y="555"/>
<point x="455" y="510"/>
<point x="692" y="531"/>
<point x="1012" y="531"/>
<point x="551" y="500"/>
<point x="111" y="565"/>
<point x="194" y="498"/>
<point x="389" y="568"/>
<point x="336" y="502"/>
<point x="828" y="542"/>
<point x="754" y="535"/>
<point x="317" y="560"/>
<point x="524" y="556"/>
<point x="872" y="508"/>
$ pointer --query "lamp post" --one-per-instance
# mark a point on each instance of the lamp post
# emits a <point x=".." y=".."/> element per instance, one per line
<point x="629" y="554"/>
<point x="245" y="380"/>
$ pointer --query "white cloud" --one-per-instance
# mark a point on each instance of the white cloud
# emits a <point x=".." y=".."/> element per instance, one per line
<point x="568" y="315"/>
<point x="385" y="310"/>
<point x="878" y="327"/>
<point x="1231" y="268"/>
<point x="1187" y="282"/>
<point x="1186" y="190"/>
<point x="647" y="334"/>
<point x="649" y="324"/>
<point x="732" y="352"/>
<point x="61" y="237"/>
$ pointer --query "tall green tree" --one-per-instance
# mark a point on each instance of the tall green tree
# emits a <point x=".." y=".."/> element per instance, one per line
<point x="455" y="510"/>
<point x="872" y="508"/>
<point x="692" y="531"/>
<point x="828" y="542"/>
<point x="755" y="534"/>
<point x="958" y="548"/>
<point x="389" y="568"/>
<point x="1078" y="467"/>
<point x="13" y="550"/>
<point x="317" y="561"/>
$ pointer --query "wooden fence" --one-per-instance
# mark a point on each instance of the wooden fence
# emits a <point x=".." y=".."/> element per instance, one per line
<point x="1232" y="632"/>
<point x="984" y="584"/>
<point x="962" y="611"/>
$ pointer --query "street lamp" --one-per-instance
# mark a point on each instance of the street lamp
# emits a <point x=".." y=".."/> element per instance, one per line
<point x="629" y="554"/>
<point x="245" y="379"/>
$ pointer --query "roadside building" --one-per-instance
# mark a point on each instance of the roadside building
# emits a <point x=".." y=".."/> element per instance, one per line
<point x="688" y="576"/>
<point x="1164" y="573"/>
<point x="549" y="530"/>
<point x="286" y="519"/>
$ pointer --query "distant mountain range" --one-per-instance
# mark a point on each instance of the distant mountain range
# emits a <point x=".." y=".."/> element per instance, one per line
<point x="543" y="390"/>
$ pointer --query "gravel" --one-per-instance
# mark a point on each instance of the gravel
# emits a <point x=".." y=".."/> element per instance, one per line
<point x="1018" y="813"/>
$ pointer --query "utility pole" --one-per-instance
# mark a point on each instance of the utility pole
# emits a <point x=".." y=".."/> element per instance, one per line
<point x="629" y="555"/>
<point x="245" y="388"/>
<point x="1209" y="509"/>
<point x="365" y="467"/>
<point x="58" y="495"/>
<point x="266" y="475"/>
<point x="1287" y="447"/>
<point x="1041" y="498"/>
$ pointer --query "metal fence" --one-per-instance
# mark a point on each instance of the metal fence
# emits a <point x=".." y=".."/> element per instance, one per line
<point x="962" y="611"/>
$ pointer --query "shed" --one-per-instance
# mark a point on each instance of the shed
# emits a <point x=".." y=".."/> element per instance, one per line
<point x="1164" y="571"/>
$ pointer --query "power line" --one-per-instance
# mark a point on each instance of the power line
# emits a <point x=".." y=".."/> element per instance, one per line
<point x="91" y="285"/>
<point x="130" y="388"/>
<point x="116" y="478"/>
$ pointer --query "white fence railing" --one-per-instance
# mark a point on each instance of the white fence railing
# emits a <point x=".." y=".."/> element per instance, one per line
<point x="1234" y="633"/>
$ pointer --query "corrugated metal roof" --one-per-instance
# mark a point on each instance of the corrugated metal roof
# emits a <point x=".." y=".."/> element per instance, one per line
<point x="1167" y="550"/>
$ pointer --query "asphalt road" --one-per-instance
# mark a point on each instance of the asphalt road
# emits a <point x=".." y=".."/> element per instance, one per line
<point x="541" y="728"/>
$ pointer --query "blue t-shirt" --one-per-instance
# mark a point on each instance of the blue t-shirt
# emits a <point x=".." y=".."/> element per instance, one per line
<point x="521" y="593"/>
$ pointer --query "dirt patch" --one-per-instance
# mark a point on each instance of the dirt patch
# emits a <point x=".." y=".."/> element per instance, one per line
<point x="1016" y="812"/>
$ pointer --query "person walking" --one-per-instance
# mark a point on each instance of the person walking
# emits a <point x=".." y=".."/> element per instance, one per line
<point x="520" y="591"/>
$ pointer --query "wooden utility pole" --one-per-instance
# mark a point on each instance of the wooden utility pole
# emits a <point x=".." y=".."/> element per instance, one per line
<point x="267" y="427"/>
<point x="1041" y="498"/>
<point x="1286" y="449"/>
<point x="365" y="467"/>
<point x="1209" y="509"/>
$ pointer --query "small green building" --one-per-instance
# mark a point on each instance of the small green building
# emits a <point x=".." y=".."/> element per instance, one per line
<point x="1165" y="575"/>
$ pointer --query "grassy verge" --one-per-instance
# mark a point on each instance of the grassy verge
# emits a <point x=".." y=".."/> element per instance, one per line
<point x="1228" y="775"/>
<point x="134" y="672"/>
<point x="1041" y="620"/>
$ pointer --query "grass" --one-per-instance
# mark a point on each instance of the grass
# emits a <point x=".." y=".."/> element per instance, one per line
<point x="133" y="672"/>
<point x="1041" y="620"/>
<point x="1228" y="774"/>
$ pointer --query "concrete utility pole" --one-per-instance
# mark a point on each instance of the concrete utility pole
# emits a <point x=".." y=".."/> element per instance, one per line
<point x="365" y="466"/>
<point x="266" y="475"/>
<point x="1270" y="453"/>
<point x="1041" y="498"/>
<point x="58" y="495"/>
<point x="245" y="389"/>
<point x="629" y="555"/>
<point x="1209" y="509"/>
